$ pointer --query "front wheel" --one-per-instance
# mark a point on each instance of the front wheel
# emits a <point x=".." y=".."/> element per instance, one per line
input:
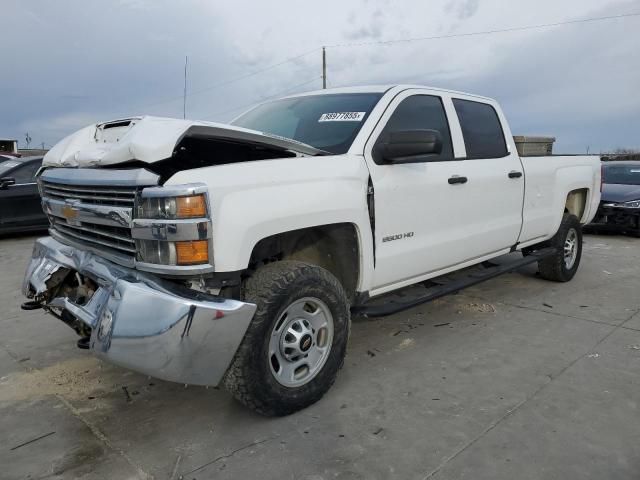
<point x="297" y="340"/>
<point x="563" y="265"/>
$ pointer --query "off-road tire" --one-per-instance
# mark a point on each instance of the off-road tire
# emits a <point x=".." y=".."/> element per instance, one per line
<point x="272" y="288"/>
<point x="554" y="267"/>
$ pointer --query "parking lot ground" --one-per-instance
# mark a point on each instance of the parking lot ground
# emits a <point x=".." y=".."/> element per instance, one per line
<point x="516" y="378"/>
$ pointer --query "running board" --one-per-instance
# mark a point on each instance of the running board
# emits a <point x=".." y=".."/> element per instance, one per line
<point x="394" y="303"/>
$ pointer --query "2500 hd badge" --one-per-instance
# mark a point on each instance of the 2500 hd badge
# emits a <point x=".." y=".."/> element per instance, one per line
<point x="399" y="236"/>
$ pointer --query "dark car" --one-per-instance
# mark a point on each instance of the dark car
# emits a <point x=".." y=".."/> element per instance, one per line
<point x="619" y="208"/>
<point x="20" y="207"/>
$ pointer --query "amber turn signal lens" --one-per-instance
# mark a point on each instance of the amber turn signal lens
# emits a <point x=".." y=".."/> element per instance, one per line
<point x="191" y="207"/>
<point x="192" y="253"/>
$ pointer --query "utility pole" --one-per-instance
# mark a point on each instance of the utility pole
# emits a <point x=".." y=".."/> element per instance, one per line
<point x="184" y="95"/>
<point x="324" y="68"/>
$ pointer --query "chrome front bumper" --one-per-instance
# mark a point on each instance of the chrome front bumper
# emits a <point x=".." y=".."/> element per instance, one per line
<point x="139" y="321"/>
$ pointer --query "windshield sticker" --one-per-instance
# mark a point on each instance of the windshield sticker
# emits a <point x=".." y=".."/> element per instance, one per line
<point x="342" y="117"/>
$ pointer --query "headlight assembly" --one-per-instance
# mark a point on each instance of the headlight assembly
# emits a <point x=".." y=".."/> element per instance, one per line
<point x="172" y="227"/>
<point x="170" y="208"/>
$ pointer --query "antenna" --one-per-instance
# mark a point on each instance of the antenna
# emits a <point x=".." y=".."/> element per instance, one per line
<point x="324" y="68"/>
<point x="184" y="95"/>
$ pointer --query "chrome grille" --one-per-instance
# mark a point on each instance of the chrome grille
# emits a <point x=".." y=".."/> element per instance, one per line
<point x="124" y="196"/>
<point x="94" y="208"/>
<point x="111" y="237"/>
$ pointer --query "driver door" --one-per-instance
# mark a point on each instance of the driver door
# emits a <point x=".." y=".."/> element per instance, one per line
<point x="419" y="215"/>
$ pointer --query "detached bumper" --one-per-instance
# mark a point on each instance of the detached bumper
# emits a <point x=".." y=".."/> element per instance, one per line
<point x="139" y="321"/>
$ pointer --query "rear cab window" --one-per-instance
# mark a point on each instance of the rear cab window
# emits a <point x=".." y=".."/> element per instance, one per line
<point x="481" y="129"/>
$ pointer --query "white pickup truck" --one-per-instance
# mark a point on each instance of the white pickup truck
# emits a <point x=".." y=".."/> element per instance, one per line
<point x="204" y="253"/>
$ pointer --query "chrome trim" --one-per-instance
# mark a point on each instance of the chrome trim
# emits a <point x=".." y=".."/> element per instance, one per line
<point x="137" y="177"/>
<point x="120" y="259"/>
<point x="66" y="188"/>
<point x="89" y="213"/>
<point x="175" y="270"/>
<point x="182" y="190"/>
<point x="139" y="321"/>
<point x="68" y="230"/>
<point x="96" y="231"/>
<point x="621" y="205"/>
<point x="171" y="230"/>
<point x="93" y="196"/>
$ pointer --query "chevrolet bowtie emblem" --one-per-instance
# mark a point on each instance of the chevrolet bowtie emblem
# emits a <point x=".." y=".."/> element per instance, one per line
<point x="69" y="212"/>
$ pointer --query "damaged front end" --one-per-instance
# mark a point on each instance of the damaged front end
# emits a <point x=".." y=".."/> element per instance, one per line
<point x="134" y="319"/>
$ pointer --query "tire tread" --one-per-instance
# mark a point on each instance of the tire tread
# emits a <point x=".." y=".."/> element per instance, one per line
<point x="267" y="288"/>
<point x="553" y="268"/>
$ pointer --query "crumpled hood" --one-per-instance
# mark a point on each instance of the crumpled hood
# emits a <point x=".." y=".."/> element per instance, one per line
<point x="151" y="139"/>
<point x="616" y="192"/>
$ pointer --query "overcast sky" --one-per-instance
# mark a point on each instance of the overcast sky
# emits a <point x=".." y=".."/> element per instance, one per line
<point x="70" y="63"/>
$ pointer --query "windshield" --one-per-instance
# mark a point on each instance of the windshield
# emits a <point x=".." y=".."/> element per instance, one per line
<point x="622" y="174"/>
<point x="7" y="165"/>
<point x="327" y="122"/>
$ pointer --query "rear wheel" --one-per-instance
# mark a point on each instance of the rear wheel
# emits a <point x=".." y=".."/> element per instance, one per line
<point x="297" y="341"/>
<point x="563" y="265"/>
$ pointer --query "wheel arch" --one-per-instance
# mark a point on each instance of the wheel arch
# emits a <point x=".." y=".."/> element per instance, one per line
<point x="334" y="247"/>
<point x="576" y="203"/>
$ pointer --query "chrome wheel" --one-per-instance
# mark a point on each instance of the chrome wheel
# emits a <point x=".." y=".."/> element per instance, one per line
<point x="300" y="342"/>
<point x="570" y="248"/>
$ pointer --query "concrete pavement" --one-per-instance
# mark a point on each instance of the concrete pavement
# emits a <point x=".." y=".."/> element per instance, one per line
<point x="514" y="378"/>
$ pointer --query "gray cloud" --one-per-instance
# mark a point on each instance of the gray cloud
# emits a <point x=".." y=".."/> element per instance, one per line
<point x="462" y="9"/>
<point x="77" y="62"/>
<point x="371" y="30"/>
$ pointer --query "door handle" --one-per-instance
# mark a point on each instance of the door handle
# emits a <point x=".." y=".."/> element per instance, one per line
<point x="457" y="179"/>
<point x="515" y="174"/>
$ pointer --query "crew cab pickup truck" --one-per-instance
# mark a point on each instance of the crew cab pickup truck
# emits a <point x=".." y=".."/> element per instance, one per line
<point x="204" y="253"/>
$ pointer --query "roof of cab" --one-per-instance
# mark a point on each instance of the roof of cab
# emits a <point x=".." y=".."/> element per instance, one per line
<point x="381" y="89"/>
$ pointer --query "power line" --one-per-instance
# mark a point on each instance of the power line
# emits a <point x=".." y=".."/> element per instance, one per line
<point x="485" y="32"/>
<point x="391" y="42"/>
<point x="288" y="90"/>
<point x="382" y="42"/>
<point x="232" y="80"/>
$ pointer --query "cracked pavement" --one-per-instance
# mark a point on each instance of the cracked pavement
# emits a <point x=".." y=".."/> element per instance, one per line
<point x="513" y="378"/>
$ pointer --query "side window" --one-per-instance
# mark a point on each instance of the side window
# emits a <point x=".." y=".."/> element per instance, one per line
<point x="422" y="112"/>
<point x="481" y="129"/>
<point x="26" y="173"/>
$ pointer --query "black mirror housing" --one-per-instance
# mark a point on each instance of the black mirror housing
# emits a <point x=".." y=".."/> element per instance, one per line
<point x="6" y="181"/>
<point x="408" y="146"/>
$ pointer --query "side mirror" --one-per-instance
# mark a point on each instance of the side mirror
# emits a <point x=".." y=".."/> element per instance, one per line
<point x="6" y="181"/>
<point x="408" y="146"/>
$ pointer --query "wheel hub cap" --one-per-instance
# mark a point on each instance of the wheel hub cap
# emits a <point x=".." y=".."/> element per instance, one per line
<point x="300" y="342"/>
<point x="570" y="248"/>
<point x="297" y="339"/>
